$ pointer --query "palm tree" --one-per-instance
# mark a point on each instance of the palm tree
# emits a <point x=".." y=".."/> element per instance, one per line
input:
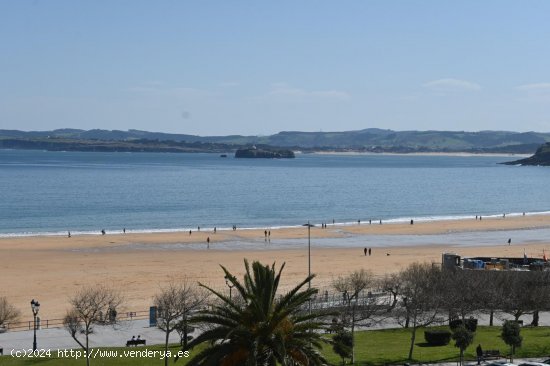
<point x="257" y="327"/>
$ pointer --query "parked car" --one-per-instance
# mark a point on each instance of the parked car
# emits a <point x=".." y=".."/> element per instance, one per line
<point x="547" y="362"/>
<point x="533" y="364"/>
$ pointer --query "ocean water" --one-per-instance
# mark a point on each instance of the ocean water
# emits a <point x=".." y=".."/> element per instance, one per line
<point x="53" y="192"/>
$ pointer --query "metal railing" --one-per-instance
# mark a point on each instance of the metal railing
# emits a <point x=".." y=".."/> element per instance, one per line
<point x="58" y="323"/>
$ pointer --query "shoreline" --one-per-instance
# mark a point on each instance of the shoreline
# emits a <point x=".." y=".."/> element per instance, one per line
<point x="463" y="154"/>
<point x="51" y="268"/>
<point x="154" y="231"/>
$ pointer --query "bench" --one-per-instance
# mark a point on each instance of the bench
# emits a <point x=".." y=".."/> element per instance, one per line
<point x="135" y="342"/>
<point x="491" y="353"/>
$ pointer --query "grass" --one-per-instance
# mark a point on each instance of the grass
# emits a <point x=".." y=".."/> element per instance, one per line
<point x="376" y="347"/>
<point x="391" y="346"/>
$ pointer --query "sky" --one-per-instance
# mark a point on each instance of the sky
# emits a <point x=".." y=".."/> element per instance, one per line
<point x="259" y="67"/>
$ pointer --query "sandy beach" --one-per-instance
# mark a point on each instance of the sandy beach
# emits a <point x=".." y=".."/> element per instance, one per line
<point x="51" y="268"/>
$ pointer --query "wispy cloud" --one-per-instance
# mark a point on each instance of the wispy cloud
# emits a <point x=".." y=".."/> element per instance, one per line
<point x="167" y="91"/>
<point x="286" y="91"/>
<point x="536" y="92"/>
<point x="451" y="85"/>
<point x="537" y="87"/>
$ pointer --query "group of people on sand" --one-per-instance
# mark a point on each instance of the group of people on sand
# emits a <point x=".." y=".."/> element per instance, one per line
<point x="370" y="222"/>
<point x="367" y="251"/>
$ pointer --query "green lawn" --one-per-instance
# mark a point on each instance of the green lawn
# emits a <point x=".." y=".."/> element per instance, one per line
<point x="372" y="348"/>
<point x="392" y="346"/>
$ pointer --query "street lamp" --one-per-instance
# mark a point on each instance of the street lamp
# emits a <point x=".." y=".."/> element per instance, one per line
<point x="35" y="306"/>
<point x="309" y="226"/>
<point x="230" y="286"/>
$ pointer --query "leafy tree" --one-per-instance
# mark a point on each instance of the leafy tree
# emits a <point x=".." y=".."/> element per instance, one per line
<point x="510" y="335"/>
<point x="343" y="344"/>
<point x="463" y="338"/>
<point x="259" y="327"/>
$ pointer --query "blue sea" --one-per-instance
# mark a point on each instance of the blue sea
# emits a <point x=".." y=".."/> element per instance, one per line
<point x="54" y="192"/>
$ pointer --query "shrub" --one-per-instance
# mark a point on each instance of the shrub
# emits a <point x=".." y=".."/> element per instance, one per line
<point x="470" y="324"/>
<point x="343" y="344"/>
<point x="437" y="337"/>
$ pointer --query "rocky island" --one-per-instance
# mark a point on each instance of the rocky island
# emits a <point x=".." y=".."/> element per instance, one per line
<point x="254" y="152"/>
<point x="541" y="157"/>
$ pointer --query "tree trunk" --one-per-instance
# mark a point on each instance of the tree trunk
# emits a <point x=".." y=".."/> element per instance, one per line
<point x="535" y="321"/>
<point x="413" y="338"/>
<point x="461" y="357"/>
<point x="166" y="346"/>
<point x="184" y="331"/>
<point x="491" y="314"/>
<point x="87" y="348"/>
<point x="352" y="360"/>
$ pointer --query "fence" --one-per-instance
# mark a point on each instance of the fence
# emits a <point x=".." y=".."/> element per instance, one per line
<point x="58" y="323"/>
<point x="324" y="300"/>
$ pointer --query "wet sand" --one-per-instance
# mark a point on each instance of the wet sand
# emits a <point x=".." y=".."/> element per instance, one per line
<point x="50" y="269"/>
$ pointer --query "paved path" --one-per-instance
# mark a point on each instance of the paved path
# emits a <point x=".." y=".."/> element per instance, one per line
<point x="103" y="336"/>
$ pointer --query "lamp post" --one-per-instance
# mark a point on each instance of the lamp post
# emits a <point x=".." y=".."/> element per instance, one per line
<point x="309" y="226"/>
<point x="35" y="307"/>
<point x="230" y="287"/>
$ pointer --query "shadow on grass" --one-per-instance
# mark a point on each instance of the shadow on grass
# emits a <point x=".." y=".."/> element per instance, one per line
<point x="426" y="344"/>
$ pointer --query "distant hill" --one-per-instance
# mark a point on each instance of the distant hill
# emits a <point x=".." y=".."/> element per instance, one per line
<point x="367" y="140"/>
<point x="540" y="158"/>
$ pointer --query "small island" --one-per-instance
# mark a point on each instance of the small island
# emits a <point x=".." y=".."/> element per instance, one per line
<point x="541" y="157"/>
<point x="255" y="153"/>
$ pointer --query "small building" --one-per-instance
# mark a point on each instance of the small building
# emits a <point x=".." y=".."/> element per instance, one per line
<point x="453" y="260"/>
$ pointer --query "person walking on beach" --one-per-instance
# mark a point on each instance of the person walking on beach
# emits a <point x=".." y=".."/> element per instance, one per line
<point x="479" y="354"/>
<point x="103" y="232"/>
<point x="189" y="232"/>
<point x="214" y="230"/>
<point x="509" y="241"/>
<point x="68" y="236"/>
<point x="370" y="250"/>
<point x="412" y="222"/>
<point x="124" y="230"/>
<point x="365" y="251"/>
<point x="208" y="242"/>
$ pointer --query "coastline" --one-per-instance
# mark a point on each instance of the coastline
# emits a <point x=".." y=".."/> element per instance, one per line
<point x="463" y="154"/>
<point x="336" y="225"/>
<point x="51" y="268"/>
